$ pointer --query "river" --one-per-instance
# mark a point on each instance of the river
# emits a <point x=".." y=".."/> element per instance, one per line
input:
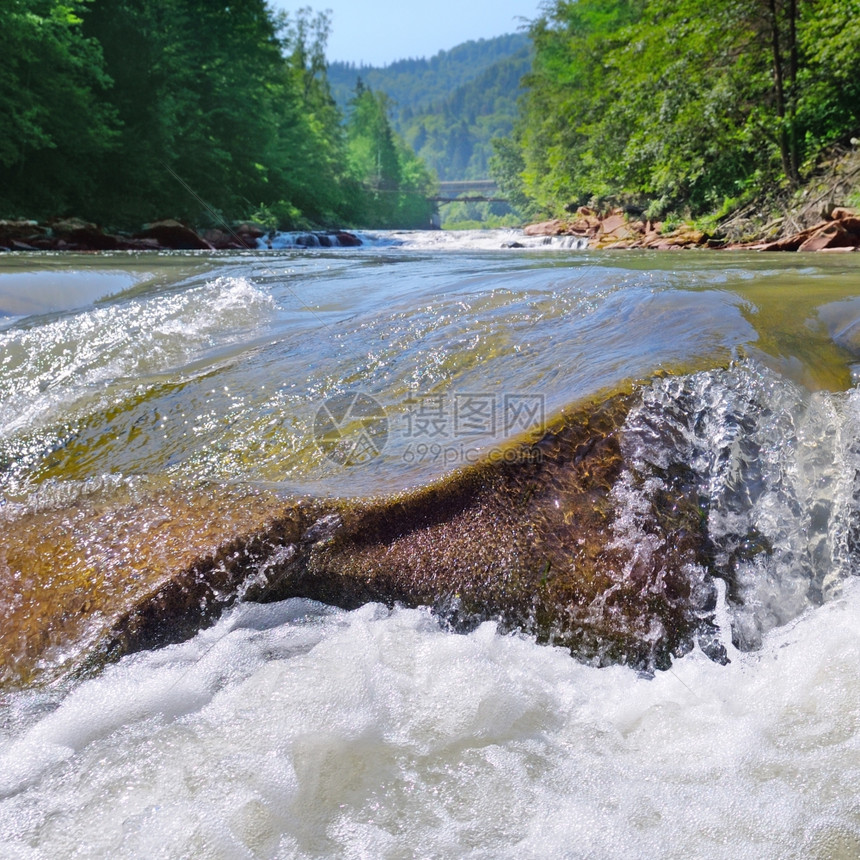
<point x="217" y="385"/>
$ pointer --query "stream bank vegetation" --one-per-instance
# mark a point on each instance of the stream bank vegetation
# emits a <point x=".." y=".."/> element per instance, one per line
<point x="130" y="111"/>
<point x="681" y="110"/>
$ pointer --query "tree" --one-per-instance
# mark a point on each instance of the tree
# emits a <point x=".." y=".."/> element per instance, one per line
<point x="129" y="110"/>
<point x="681" y="105"/>
<point x="56" y="124"/>
<point x="395" y="182"/>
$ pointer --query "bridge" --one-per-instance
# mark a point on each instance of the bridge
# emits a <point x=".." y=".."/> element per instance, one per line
<point x="449" y="191"/>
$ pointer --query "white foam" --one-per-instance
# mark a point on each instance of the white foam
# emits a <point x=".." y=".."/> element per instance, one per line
<point x="775" y="468"/>
<point x="435" y="240"/>
<point x="44" y="370"/>
<point x="292" y="731"/>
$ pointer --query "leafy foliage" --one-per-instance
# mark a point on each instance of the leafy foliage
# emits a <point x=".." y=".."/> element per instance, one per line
<point x="414" y="84"/>
<point x="451" y="107"/>
<point x="679" y="105"/>
<point x="396" y="182"/>
<point x="129" y="110"/>
<point x="54" y="122"/>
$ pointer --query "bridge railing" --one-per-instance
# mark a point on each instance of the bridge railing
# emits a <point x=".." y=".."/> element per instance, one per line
<point x="450" y="192"/>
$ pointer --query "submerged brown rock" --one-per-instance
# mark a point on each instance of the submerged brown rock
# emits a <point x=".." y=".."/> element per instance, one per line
<point x="535" y="539"/>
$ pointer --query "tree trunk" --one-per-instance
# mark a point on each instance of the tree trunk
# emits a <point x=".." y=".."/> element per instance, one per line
<point x="779" y="86"/>
<point x="792" y="90"/>
<point x="785" y="66"/>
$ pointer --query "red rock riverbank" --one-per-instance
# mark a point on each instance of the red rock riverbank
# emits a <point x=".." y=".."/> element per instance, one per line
<point x="839" y="232"/>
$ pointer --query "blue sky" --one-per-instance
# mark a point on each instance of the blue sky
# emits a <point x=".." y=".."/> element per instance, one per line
<point x="381" y="31"/>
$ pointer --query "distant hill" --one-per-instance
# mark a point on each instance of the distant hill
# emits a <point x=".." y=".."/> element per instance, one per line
<point x="453" y="136"/>
<point x="448" y="107"/>
<point x="416" y="84"/>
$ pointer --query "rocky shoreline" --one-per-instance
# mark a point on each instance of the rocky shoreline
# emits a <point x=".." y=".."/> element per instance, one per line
<point x="74" y="234"/>
<point x="838" y="231"/>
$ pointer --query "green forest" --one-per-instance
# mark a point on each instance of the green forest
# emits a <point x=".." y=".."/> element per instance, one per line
<point x="414" y="84"/>
<point x="680" y="106"/>
<point x="123" y="111"/>
<point x="450" y="109"/>
<point x="126" y="111"/>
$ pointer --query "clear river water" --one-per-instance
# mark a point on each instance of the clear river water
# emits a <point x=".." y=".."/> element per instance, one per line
<point x="295" y="729"/>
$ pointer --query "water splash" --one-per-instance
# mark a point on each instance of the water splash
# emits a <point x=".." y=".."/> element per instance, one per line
<point x="777" y="472"/>
<point x="294" y="731"/>
<point x="424" y="240"/>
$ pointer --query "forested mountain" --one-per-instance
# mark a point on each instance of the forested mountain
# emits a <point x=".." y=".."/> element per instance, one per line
<point x="123" y="111"/>
<point x="414" y="84"/>
<point x="680" y="106"/>
<point x="450" y="107"/>
<point x="454" y="135"/>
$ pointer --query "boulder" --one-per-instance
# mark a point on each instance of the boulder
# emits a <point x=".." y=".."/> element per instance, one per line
<point x="615" y="231"/>
<point x="248" y="233"/>
<point x="347" y="240"/>
<point x="128" y="244"/>
<point x="586" y="223"/>
<point x="83" y="235"/>
<point x="842" y="232"/>
<point x="787" y="243"/>
<point x="48" y="243"/>
<point x="20" y="231"/>
<point x="686" y="237"/>
<point x="221" y="240"/>
<point x="556" y="227"/>
<point x="613" y="223"/>
<point x="832" y="235"/>
<point x="529" y="539"/>
<point x="851" y="224"/>
<point x="174" y="235"/>
<point x="249" y="228"/>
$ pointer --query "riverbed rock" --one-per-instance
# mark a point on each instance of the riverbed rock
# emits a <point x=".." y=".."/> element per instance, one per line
<point x="615" y="230"/>
<point x="68" y="575"/>
<point x="683" y="237"/>
<point x="80" y="235"/>
<point x="832" y="235"/>
<point x="20" y="231"/>
<point x="841" y="230"/>
<point x="535" y="539"/>
<point x="248" y="233"/>
<point x="555" y="227"/>
<point x="347" y="240"/>
<point x="174" y="236"/>
<point x="222" y="240"/>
